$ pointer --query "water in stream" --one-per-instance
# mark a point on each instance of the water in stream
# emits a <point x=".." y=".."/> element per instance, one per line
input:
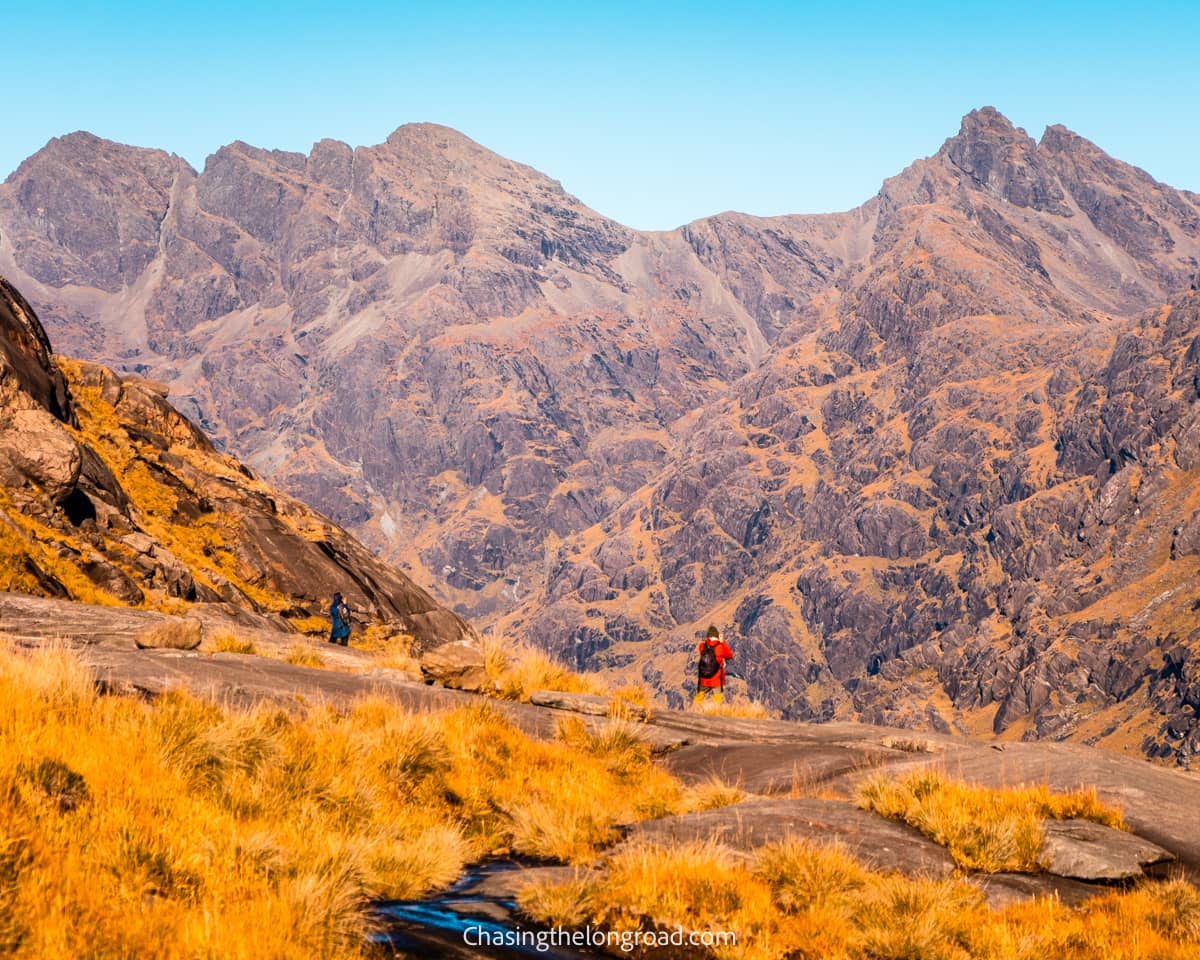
<point x="460" y="922"/>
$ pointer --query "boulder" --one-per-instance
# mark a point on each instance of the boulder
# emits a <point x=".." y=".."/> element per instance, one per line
<point x="174" y="634"/>
<point x="458" y="665"/>
<point x="139" y="542"/>
<point x="1005" y="889"/>
<point x="1083" y="850"/>
<point x="171" y="572"/>
<point x="1186" y="539"/>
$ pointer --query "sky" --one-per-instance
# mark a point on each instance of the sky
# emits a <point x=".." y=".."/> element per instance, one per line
<point x="654" y="114"/>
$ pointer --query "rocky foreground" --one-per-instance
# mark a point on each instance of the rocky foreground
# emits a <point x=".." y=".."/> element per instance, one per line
<point x="799" y="777"/>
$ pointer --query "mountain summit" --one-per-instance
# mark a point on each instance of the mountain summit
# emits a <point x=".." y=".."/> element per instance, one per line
<point x="930" y="459"/>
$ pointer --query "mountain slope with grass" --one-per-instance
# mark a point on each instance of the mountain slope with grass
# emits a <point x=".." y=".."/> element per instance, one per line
<point x="109" y="496"/>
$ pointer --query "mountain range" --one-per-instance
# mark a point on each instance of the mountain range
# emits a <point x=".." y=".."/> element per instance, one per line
<point x="929" y="462"/>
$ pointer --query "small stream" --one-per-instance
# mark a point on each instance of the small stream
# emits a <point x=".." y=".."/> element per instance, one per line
<point x="460" y="922"/>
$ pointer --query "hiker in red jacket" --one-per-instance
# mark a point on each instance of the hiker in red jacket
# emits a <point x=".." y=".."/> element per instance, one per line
<point x="713" y="653"/>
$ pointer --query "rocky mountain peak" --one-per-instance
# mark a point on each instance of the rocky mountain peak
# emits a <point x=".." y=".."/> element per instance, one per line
<point x="434" y="134"/>
<point x="1002" y="159"/>
<point x="288" y="159"/>
<point x="1059" y="139"/>
<point x="430" y="150"/>
<point x="86" y="211"/>
<point x="986" y="139"/>
<point x="989" y="124"/>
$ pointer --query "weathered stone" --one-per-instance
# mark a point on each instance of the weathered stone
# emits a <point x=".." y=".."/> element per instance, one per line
<point x="139" y="542"/>
<point x="1084" y="850"/>
<point x="173" y="574"/>
<point x="172" y="634"/>
<point x="112" y="579"/>
<point x="42" y="452"/>
<point x="1005" y="889"/>
<point x="457" y="665"/>
<point x="26" y="370"/>
<point x="1187" y="537"/>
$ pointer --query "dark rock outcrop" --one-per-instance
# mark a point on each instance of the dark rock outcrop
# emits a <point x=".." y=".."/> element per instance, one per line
<point x="874" y="841"/>
<point x="106" y="489"/>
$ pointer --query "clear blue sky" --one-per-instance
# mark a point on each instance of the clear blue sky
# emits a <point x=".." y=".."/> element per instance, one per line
<point x="654" y="114"/>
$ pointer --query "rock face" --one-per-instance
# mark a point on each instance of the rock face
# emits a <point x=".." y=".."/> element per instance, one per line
<point x="931" y="462"/>
<point x="590" y="704"/>
<point x="110" y="495"/>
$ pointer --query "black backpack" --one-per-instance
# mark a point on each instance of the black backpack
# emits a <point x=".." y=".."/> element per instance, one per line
<point x="710" y="666"/>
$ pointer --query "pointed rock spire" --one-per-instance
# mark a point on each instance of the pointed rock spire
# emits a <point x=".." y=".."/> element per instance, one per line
<point x="1002" y="159"/>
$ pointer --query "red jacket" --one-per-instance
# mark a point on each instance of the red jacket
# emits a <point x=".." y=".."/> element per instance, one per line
<point x="723" y="653"/>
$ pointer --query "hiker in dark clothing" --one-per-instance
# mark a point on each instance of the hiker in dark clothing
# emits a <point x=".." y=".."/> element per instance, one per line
<point x="339" y="613"/>
<point x="714" y="652"/>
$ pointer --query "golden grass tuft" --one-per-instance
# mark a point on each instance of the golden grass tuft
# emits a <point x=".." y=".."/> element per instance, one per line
<point x="179" y="828"/>
<point x="567" y="903"/>
<point x="982" y="828"/>
<point x="310" y="626"/>
<point x="303" y="656"/>
<point x="565" y="799"/>
<point x="615" y="741"/>
<point x="630" y="701"/>
<point x="226" y="641"/>
<point x="170" y="635"/>
<point x="392" y="648"/>
<point x="713" y="793"/>
<point x="519" y="671"/>
<point x="744" y="709"/>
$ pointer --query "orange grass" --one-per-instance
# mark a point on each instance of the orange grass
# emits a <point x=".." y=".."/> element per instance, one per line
<point x="795" y="900"/>
<point x="982" y="828"/>
<point x="178" y="828"/>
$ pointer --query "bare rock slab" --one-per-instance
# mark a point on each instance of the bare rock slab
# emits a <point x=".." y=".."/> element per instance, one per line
<point x="1083" y="850"/>
<point x="772" y="768"/>
<point x="586" y="703"/>
<point x="872" y="840"/>
<point x="1004" y="889"/>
